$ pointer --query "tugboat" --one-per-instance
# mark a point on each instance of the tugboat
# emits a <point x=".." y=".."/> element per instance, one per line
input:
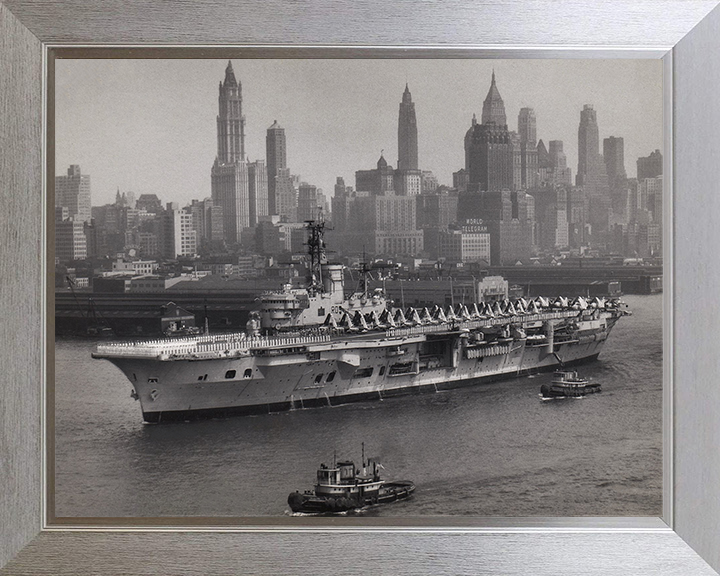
<point x="568" y="384"/>
<point x="342" y="488"/>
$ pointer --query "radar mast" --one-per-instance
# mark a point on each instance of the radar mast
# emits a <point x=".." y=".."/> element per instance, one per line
<point x="316" y="252"/>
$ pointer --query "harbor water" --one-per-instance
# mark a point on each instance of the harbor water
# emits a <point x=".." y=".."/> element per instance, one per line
<point x="488" y="450"/>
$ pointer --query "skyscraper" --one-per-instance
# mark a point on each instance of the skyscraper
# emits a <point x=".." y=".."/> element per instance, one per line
<point x="592" y="175"/>
<point x="557" y="155"/>
<point x="488" y="157"/>
<point x="494" y="107"/>
<point x="307" y="206"/>
<point x="257" y="191"/>
<point x="230" y="120"/>
<point x="489" y="149"/>
<point x="614" y="155"/>
<point x="588" y="143"/>
<point x="528" y="154"/>
<point x="407" y="133"/>
<point x="490" y="154"/>
<point x="560" y="173"/>
<point x="650" y="166"/>
<point x="72" y="191"/>
<point x="527" y="126"/>
<point x="230" y="181"/>
<point x="286" y="196"/>
<point x="276" y="156"/>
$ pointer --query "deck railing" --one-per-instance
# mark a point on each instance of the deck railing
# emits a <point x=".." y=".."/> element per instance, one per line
<point x="221" y="344"/>
<point x="238" y="343"/>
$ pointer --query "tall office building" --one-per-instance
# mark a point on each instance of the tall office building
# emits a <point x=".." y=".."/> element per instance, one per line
<point x="527" y="126"/>
<point x="72" y="191"/>
<point x="381" y="180"/>
<point x="553" y="168"/>
<point x="409" y="182"/>
<point x="528" y="154"/>
<point x="408" y="179"/>
<point x="230" y="120"/>
<point x="494" y="107"/>
<point x="489" y="154"/>
<point x="588" y="143"/>
<point x="544" y="158"/>
<point x="340" y="189"/>
<point x="257" y="191"/>
<point x="592" y="175"/>
<point x="206" y="220"/>
<point x="557" y="154"/>
<point x="230" y="179"/>
<point x="614" y="155"/>
<point x="551" y="217"/>
<point x="505" y="213"/>
<point x="650" y="166"/>
<point x="178" y="236"/>
<point x="407" y="133"/>
<point x="307" y="205"/>
<point x="70" y="237"/>
<point x="492" y="164"/>
<point x="286" y="196"/>
<point x="379" y="223"/>
<point x="489" y="147"/>
<point x="276" y="157"/>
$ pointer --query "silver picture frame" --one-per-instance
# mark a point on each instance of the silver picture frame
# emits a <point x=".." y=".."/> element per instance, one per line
<point x="686" y="540"/>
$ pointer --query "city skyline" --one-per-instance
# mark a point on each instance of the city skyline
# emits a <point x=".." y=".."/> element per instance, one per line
<point x="168" y="111"/>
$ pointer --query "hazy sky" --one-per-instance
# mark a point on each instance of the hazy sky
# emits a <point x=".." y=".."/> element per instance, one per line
<point x="150" y="125"/>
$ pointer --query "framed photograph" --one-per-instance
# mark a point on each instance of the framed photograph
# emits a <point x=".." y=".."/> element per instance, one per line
<point x="174" y="467"/>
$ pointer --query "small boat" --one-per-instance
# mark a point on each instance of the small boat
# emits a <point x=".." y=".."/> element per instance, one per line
<point x="342" y="488"/>
<point x="100" y="331"/>
<point x="568" y="384"/>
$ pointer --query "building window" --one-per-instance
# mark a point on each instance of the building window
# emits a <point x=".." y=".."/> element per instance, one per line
<point x="230" y="374"/>
<point x="321" y="311"/>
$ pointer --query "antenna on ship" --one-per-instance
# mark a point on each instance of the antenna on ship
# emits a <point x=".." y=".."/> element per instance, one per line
<point x="207" y="323"/>
<point x="363" y="459"/>
<point x="365" y="270"/>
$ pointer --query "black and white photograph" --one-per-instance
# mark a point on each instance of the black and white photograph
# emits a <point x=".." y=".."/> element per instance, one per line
<point x="368" y="288"/>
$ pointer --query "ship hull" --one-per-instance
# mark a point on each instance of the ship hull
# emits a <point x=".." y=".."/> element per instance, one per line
<point x="339" y="400"/>
<point x="312" y="504"/>
<point x="185" y="389"/>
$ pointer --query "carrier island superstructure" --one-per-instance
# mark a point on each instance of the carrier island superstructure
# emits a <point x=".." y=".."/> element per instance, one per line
<point x="313" y="346"/>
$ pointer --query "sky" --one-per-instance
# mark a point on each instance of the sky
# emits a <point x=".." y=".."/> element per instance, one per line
<point x="149" y="125"/>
